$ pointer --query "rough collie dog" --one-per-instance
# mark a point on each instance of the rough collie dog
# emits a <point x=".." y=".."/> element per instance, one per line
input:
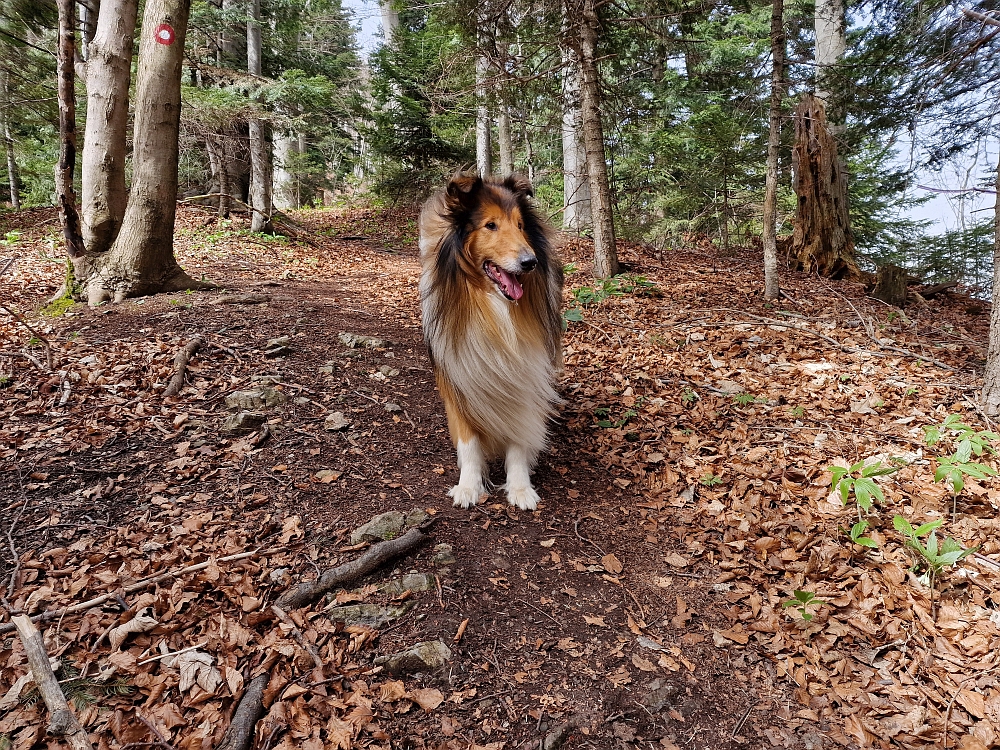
<point x="491" y="290"/>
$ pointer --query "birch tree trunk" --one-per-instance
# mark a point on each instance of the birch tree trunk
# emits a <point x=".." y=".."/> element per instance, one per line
<point x="771" y="288"/>
<point x="991" y="378"/>
<point x="576" y="185"/>
<point x="605" y="252"/>
<point x="390" y="20"/>
<point x="109" y="70"/>
<point x="285" y="148"/>
<point x="505" y="144"/>
<point x="65" y="193"/>
<point x="484" y="145"/>
<point x="141" y="260"/>
<point x="15" y="191"/>
<point x="260" y="153"/>
<point x="831" y="44"/>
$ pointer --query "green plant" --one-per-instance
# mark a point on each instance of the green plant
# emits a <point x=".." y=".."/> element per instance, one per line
<point x="802" y="601"/>
<point x="911" y="391"/>
<point x="859" y="479"/>
<point x="10" y="239"/>
<point x="935" y="557"/>
<point x="959" y="465"/>
<point x="621" y="422"/>
<point x="797" y="411"/>
<point x="710" y="480"/>
<point x="570" y="268"/>
<point x="856" y="534"/>
<point x="742" y="399"/>
<point x="688" y="396"/>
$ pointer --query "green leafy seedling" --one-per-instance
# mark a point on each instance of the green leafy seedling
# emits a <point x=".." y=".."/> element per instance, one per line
<point x="968" y="442"/>
<point x="859" y="481"/>
<point x="857" y="534"/>
<point x="797" y="411"/>
<point x="710" y="480"/>
<point x="742" y="399"/>
<point x="688" y="396"/>
<point x="935" y="556"/>
<point x="802" y="602"/>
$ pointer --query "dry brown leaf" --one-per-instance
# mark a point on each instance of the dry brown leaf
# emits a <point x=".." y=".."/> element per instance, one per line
<point x="143" y="622"/>
<point x="427" y="698"/>
<point x="612" y="564"/>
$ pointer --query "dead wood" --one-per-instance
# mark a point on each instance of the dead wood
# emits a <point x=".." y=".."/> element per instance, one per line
<point x="242" y="299"/>
<point x="240" y="734"/>
<point x="62" y="721"/>
<point x="48" y="347"/>
<point x="138" y="586"/>
<point x="309" y="647"/>
<point x="890" y="285"/>
<point x="936" y="289"/>
<point x="180" y="365"/>
<point x="377" y="555"/>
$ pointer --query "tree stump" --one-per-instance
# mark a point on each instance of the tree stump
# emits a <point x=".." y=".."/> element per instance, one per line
<point x="890" y="285"/>
<point x="822" y="241"/>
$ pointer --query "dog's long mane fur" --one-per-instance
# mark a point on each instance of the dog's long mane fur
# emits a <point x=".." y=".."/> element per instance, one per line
<point x="495" y="359"/>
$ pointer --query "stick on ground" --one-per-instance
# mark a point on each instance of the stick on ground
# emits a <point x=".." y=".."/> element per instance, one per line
<point x="62" y="721"/>
<point x="240" y="734"/>
<point x="377" y="555"/>
<point x="180" y="365"/>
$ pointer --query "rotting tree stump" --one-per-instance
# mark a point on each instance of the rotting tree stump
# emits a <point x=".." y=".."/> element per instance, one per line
<point x="890" y="285"/>
<point x="822" y="242"/>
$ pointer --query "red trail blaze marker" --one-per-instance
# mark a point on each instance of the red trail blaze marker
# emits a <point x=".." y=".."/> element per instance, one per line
<point x="165" y="34"/>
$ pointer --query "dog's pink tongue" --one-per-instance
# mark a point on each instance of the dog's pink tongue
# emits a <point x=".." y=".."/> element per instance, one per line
<point x="510" y="284"/>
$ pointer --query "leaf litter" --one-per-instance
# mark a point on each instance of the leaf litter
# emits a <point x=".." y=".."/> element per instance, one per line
<point x="686" y="498"/>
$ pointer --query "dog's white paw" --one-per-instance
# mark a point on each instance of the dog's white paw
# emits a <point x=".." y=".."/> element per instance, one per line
<point x="524" y="498"/>
<point x="464" y="496"/>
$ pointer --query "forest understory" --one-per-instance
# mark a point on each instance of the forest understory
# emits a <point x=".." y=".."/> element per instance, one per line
<point x="687" y="495"/>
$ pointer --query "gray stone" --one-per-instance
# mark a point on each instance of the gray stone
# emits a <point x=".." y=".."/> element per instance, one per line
<point x="388" y="526"/>
<point x="243" y="422"/>
<point x="443" y="554"/>
<point x="278" y="351"/>
<point x="258" y="398"/>
<point x="372" y="615"/>
<point x="358" y="341"/>
<point x="391" y="407"/>
<point x="265" y="379"/>
<point x="414" y="582"/>
<point x="661" y="694"/>
<point x="280" y="341"/>
<point x="336" y="422"/>
<point x="389" y="372"/>
<point x="419" y="658"/>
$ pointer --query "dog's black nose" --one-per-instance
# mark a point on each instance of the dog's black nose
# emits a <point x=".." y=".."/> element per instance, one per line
<point x="528" y="262"/>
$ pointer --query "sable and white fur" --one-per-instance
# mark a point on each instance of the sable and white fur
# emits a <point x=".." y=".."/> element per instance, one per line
<point x="491" y="290"/>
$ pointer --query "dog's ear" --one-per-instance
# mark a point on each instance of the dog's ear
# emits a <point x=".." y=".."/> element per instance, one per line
<point x="462" y="187"/>
<point x="519" y="185"/>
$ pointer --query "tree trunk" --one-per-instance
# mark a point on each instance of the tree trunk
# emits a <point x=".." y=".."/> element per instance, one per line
<point x="65" y="193"/>
<point x="484" y="145"/>
<point x="576" y="186"/>
<point x="390" y="20"/>
<point x="822" y="242"/>
<point x="231" y="54"/>
<point x="15" y="192"/>
<point x="141" y="260"/>
<point x="771" y="287"/>
<point x="505" y="143"/>
<point x="831" y="44"/>
<point x="991" y="377"/>
<point x="605" y="252"/>
<point x="260" y="151"/>
<point x="890" y="285"/>
<point x="285" y="148"/>
<point x="109" y="70"/>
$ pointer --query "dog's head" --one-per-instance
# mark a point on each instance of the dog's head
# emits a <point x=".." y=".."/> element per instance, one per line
<point x="499" y="230"/>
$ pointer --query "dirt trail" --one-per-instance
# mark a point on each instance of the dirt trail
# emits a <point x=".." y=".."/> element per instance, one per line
<point x="621" y="605"/>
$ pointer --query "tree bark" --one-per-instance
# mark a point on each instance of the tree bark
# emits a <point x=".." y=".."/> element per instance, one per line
<point x="605" y="252"/>
<point x="15" y="191"/>
<point x="109" y="70"/>
<point x="576" y="185"/>
<point x="990" y="397"/>
<point x="285" y="148"/>
<point x="65" y="193"/>
<point x="505" y="144"/>
<point x="831" y="44"/>
<point x="141" y="260"/>
<point x="771" y="286"/>
<point x="484" y="145"/>
<point x="390" y="20"/>
<point x="890" y="285"/>
<point x="260" y="152"/>
<point x="822" y="241"/>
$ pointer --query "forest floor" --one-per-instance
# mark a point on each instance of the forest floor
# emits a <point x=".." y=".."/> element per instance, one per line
<point x="685" y="497"/>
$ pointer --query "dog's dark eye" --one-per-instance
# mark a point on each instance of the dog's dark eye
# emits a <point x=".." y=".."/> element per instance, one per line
<point x="491" y="225"/>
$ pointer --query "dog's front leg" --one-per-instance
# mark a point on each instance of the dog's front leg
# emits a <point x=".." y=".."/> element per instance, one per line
<point x="520" y="493"/>
<point x="472" y="467"/>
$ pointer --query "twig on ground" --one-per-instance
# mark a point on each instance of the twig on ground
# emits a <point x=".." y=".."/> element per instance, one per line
<point x="540" y="611"/>
<point x="954" y="697"/>
<point x="180" y="365"/>
<point x="139" y="585"/>
<point x="576" y="524"/>
<point x="15" y="559"/>
<point x="62" y="721"/>
<point x="377" y="555"/>
<point x="48" y="347"/>
<point x="161" y="741"/>
<point x="240" y="734"/>
<point x="309" y="647"/>
<point x="167" y="655"/>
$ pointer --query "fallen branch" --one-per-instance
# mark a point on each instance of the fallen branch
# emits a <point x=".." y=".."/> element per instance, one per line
<point x="309" y="647"/>
<point x="240" y="734"/>
<point x="48" y="347"/>
<point x="138" y="586"/>
<point x="62" y="721"/>
<point x="932" y="291"/>
<point x="377" y="555"/>
<point x="180" y="365"/>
